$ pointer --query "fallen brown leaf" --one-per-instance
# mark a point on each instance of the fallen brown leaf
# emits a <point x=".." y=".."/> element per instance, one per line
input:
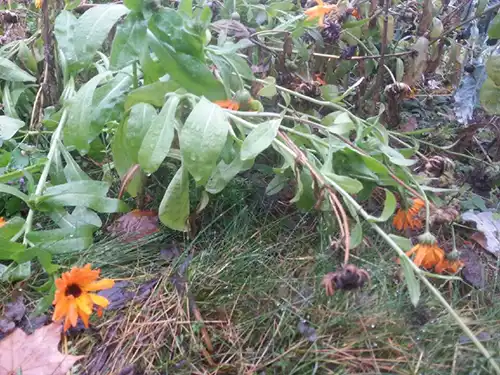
<point x="135" y="225"/>
<point x="35" y="354"/>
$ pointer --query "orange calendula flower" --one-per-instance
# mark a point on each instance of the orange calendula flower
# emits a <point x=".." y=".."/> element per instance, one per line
<point x="38" y="3"/>
<point x="427" y="252"/>
<point x="408" y="219"/>
<point x="2" y="222"/>
<point x="73" y="297"/>
<point x="228" y="104"/>
<point x="450" y="263"/>
<point x="320" y="11"/>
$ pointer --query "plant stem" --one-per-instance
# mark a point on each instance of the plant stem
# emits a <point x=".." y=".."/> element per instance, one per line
<point x="135" y="81"/>
<point x="45" y="173"/>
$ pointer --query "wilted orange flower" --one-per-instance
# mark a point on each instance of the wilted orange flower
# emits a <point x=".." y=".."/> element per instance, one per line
<point x="408" y="219"/>
<point x="228" y="104"/>
<point x="427" y="253"/>
<point x="449" y="264"/>
<point x="2" y="222"/>
<point x="73" y="298"/>
<point x="356" y="14"/>
<point x="320" y="11"/>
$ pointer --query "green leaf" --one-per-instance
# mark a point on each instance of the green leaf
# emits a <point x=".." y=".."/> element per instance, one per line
<point x="186" y="7"/>
<point x="389" y="208"/>
<point x="13" y="191"/>
<point x="494" y="29"/>
<point x="493" y="69"/>
<point x="11" y="72"/>
<point x="67" y="240"/>
<point x="9" y="106"/>
<point x="276" y="184"/>
<point x="356" y="236"/>
<point x="27" y="58"/>
<point x="188" y="71"/>
<point x="79" y="187"/>
<point x="241" y="66"/>
<point x="411" y="281"/>
<point x="44" y="257"/>
<point x="64" y="31"/>
<point x="349" y="184"/>
<point x="396" y="157"/>
<point x="304" y="197"/>
<point x="403" y="242"/>
<point x="168" y="26"/>
<point x="77" y="131"/>
<point x="338" y="123"/>
<point x="436" y="28"/>
<point x="123" y="159"/>
<point x="9" y="250"/>
<point x="352" y="24"/>
<point x="400" y="69"/>
<point x="259" y="139"/>
<point x="174" y="207"/>
<point x="107" y="103"/>
<point x="224" y="173"/>
<point x="94" y="202"/>
<point x="158" y="139"/>
<point x="9" y="127"/>
<point x="80" y="216"/>
<point x="269" y="89"/>
<point x="93" y="27"/>
<point x="153" y="93"/>
<point x="72" y="171"/>
<point x="138" y="123"/>
<point x="202" y="138"/>
<point x="134" y="4"/>
<point x="489" y="96"/>
<point x="128" y="44"/>
<point x="11" y="227"/>
<point x="17" y="273"/>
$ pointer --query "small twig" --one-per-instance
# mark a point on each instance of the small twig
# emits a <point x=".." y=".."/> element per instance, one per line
<point x="369" y="57"/>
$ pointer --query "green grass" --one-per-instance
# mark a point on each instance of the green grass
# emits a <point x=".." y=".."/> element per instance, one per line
<point x="255" y="273"/>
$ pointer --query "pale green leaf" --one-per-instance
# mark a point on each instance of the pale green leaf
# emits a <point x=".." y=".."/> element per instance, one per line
<point x="269" y="89"/>
<point x="156" y="143"/>
<point x="128" y="44"/>
<point x="93" y="28"/>
<point x="77" y="132"/>
<point x="174" y="207"/>
<point x="259" y="139"/>
<point x="389" y="208"/>
<point x="411" y="281"/>
<point x="9" y="127"/>
<point x="11" y="72"/>
<point x="349" y="184"/>
<point x="202" y="138"/>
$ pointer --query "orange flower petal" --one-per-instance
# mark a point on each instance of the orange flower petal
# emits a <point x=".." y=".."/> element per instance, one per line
<point x="60" y="310"/>
<point x="72" y="313"/>
<point x="85" y="318"/>
<point x="99" y="300"/>
<point x="84" y="304"/>
<point x="99" y="285"/>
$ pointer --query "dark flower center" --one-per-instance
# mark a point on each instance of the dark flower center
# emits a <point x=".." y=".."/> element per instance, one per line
<point x="73" y="290"/>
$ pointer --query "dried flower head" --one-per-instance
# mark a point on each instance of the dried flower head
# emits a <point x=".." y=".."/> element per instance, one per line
<point x="331" y="31"/>
<point x="437" y="165"/>
<point x="409" y="218"/>
<point x="450" y="263"/>
<point x="347" y="278"/>
<point x="442" y="216"/>
<point x="73" y="297"/>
